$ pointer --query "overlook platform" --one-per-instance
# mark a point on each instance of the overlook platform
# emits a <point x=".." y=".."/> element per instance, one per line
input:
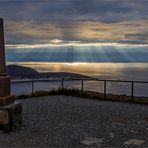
<point x="65" y="121"/>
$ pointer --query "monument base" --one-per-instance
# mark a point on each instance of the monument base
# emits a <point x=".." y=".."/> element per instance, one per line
<point x="6" y="100"/>
<point x="4" y="86"/>
<point x="10" y="116"/>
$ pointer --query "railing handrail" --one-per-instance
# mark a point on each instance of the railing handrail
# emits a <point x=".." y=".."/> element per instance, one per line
<point x="35" y="80"/>
<point x="62" y="80"/>
<point x="77" y="79"/>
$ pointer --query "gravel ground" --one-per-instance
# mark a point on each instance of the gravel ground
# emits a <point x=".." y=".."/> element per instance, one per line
<point x="65" y="122"/>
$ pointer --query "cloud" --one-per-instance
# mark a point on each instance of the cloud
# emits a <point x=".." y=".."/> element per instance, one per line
<point x="23" y="32"/>
<point x="143" y="37"/>
<point x="29" y="32"/>
<point x="59" y="10"/>
<point x="35" y="21"/>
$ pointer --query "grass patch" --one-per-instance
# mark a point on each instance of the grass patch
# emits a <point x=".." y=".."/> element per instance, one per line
<point x="86" y="94"/>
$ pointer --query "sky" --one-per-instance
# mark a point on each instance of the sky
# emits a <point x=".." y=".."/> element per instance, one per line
<point x="38" y="26"/>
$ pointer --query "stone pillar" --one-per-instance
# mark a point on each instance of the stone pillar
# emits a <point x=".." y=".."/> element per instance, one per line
<point x="10" y="110"/>
<point x="4" y="78"/>
<point x="2" y="49"/>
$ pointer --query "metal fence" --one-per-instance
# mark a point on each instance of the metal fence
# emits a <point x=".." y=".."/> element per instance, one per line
<point x="81" y="83"/>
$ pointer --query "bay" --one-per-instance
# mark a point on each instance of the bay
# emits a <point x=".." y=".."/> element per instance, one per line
<point x="111" y="71"/>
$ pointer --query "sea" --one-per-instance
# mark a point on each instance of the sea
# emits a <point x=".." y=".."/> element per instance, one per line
<point x="101" y="70"/>
<point x="104" y="61"/>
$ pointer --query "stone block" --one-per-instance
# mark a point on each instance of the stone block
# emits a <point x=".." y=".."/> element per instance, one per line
<point x="4" y="86"/>
<point x="7" y="100"/>
<point x="11" y="116"/>
<point x="4" y="117"/>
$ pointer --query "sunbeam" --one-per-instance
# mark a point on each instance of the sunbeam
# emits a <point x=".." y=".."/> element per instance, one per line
<point x="94" y="53"/>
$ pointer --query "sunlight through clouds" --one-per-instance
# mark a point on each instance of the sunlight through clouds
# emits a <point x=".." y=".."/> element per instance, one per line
<point x="87" y="32"/>
<point x="76" y="44"/>
<point x="76" y="30"/>
<point x="80" y="53"/>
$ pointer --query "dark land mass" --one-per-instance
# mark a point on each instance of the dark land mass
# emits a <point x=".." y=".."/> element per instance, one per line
<point x="21" y="72"/>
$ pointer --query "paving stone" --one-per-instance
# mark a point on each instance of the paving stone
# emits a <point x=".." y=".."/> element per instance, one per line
<point x="111" y="135"/>
<point x="92" y="141"/>
<point x="134" y="142"/>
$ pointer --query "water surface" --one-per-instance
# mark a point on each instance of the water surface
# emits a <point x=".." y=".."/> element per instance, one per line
<point x="118" y="71"/>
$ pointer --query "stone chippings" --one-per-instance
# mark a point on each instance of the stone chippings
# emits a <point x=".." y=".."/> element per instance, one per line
<point x="64" y="121"/>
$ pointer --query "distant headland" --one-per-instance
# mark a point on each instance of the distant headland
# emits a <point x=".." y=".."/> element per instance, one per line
<point x="21" y="72"/>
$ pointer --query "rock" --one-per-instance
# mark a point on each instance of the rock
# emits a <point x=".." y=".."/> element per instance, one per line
<point x="11" y="116"/>
<point x="145" y="118"/>
<point x="146" y="129"/>
<point x="134" y="142"/>
<point x="132" y="131"/>
<point x="140" y="122"/>
<point x="91" y="141"/>
<point x="4" y="117"/>
<point x="111" y="135"/>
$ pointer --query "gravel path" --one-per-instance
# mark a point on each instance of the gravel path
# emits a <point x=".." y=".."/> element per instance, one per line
<point x="65" y="122"/>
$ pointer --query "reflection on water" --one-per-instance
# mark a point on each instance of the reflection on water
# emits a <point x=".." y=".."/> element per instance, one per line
<point x="122" y="71"/>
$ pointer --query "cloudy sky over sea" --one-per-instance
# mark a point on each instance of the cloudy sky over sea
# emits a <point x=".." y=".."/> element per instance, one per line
<point x="76" y="30"/>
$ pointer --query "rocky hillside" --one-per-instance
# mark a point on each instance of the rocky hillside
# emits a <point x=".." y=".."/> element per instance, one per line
<point x="21" y="72"/>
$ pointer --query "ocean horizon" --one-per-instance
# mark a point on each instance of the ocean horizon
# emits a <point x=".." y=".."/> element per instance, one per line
<point x="102" y="53"/>
<point x="124" y="71"/>
<point x="113" y="61"/>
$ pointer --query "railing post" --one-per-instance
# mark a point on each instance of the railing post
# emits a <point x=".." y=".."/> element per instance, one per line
<point x="32" y="86"/>
<point x="132" y="90"/>
<point x="82" y="87"/>
<point x="104" y="89"/>
<point x="62" y="83"/>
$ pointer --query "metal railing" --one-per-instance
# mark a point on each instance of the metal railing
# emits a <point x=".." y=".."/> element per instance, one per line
<point x="33" y="81"/>
<point x="104" y="82"/>
<point x="82" y="80"/>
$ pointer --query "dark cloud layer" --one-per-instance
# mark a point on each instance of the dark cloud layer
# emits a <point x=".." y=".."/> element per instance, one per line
<point x="101" y="10"/>
<point x="36" y="21"/>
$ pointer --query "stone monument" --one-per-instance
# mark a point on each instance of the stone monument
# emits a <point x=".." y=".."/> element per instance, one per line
<point x="10" y="109"/>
